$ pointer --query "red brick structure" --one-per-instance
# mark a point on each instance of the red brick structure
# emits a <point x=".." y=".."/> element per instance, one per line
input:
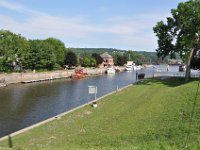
<point x="107" y="59"/>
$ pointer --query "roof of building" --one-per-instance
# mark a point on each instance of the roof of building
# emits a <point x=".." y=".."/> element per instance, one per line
<point x="106" y="55"/>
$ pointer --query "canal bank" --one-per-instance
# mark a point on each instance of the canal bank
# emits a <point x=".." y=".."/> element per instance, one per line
<point x="61" y="115"/>
<point x="28" y="77"/>
<point x="124" y="120"/>
<point x="23" y="105"/>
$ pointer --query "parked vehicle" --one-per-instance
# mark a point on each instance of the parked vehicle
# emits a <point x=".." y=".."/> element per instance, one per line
<point x="182" y="68"/>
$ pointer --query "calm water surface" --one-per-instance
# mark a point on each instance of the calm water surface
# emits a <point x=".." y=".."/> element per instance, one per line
<point x="22" y="105"/>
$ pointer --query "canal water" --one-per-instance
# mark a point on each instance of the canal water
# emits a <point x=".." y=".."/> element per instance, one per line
<point x="22" y="105"/>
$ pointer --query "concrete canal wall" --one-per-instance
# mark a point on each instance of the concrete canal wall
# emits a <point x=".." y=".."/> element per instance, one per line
<point x="40" y="76"/>
<point x="60" y="115"/>
<point x="22" y="77"/>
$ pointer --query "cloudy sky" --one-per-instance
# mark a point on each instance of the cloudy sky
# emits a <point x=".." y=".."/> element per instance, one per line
<point x="121" y="24"/>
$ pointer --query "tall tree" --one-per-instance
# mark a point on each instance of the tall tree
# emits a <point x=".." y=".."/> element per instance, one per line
<point x="33" y="57"/>
<point x="71" y="59"/>
<point x="86" y="60"/>
<point x="48" y="55"/>
<point x="16" y="51"/>
<point x="133" y="56"/>
<point x="58" y="48"/>
<point x="119" y="58"/>
<point x="40" y="56"/>
<point x="98" y="58"/>
<point x="181" y="33"/>
<point x="12" y="49"/>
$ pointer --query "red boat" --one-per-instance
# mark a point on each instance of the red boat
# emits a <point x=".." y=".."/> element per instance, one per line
<point x="79" y="74"/>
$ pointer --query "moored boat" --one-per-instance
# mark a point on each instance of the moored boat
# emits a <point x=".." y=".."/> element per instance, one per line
<point x="110" y="70"/>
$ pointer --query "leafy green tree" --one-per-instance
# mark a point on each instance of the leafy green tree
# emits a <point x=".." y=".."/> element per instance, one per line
<point x="16" y="51"/>
<point x="58" y="48"/>
<point x="134" y="56"/>
<point x="71" y="59"/>
<point x="85" y="62"/>
<point x="93" y="62"/>
<point x="98" y="58"/>
<point x="40" y="56"/>
<point x="48" y="55"/>
<point x="12" y="49"/>
<point x="119" y="59"/>
<point x="34" y="56"/>
<point x="181" y="33"/>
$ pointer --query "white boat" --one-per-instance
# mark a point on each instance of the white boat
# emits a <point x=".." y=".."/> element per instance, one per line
<point x="129" y="68"/>
<point x="110" y="70"/>
<point x="139" y="67"/>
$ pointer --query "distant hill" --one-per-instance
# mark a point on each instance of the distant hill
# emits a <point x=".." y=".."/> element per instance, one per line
<point x="95" y="50"/>
<point x="150" y="57"/>
<point x="110" y="51"/>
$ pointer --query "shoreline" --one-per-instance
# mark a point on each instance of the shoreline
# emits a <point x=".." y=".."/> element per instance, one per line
<point x="13" y="78"/>
<point x="60" y="115"/>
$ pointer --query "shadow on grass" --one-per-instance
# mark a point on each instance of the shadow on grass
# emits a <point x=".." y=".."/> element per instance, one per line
<point x="168" y="81"/>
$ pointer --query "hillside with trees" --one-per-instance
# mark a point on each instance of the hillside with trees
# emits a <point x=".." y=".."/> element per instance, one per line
<point x="145" y="57"/>
<point x="17" y="54"/>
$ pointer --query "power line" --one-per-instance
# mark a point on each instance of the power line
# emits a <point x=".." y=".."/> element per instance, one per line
<point x="191" y="117"/>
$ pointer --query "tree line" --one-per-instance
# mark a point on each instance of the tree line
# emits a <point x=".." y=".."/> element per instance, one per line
<point x="147" y="57"/>
<point x="18" y="53"/>
<point x="86" y="59"/>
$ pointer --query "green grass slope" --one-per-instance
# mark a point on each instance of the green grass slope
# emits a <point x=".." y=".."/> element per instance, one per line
<point x="151" y="115"/>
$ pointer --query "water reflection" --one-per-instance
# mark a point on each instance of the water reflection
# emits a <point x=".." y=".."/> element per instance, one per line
<point x="22" y="105"/>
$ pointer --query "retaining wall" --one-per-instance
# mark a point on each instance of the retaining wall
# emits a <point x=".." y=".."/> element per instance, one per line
<point x="22" y="77"/>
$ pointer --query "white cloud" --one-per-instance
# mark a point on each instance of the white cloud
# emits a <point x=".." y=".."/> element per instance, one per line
<point x="146" y="42"/>
<point x="19" y="8"/>
<point x="11" y="6"/>
<point x="135" y="31"/>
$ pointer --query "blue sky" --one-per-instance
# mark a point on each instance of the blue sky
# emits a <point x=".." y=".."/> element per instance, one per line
<point x="121" y="24"/>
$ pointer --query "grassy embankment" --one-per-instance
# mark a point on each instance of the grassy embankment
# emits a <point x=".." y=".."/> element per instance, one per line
<point x="152" y="115"/>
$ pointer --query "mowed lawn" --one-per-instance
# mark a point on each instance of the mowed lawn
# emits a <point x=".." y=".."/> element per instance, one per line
<point x="154" y="114"/>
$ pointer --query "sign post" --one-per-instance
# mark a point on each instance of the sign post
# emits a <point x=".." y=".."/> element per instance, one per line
<point x="92" y="90"/>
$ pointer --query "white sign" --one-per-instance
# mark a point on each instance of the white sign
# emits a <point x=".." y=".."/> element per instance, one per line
<point x="92" y="89"/>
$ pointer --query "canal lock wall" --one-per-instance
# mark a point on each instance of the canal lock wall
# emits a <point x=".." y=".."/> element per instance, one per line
<point x="61" y="115"/>
<point x="11" y="78"/>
